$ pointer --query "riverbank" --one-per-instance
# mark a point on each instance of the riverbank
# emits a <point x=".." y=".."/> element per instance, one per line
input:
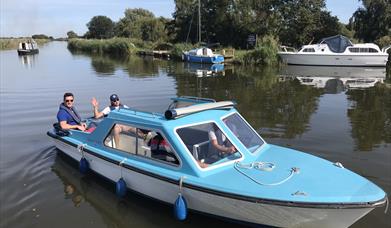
<point x="265" y="53"/>
<point x="13" y="43"/>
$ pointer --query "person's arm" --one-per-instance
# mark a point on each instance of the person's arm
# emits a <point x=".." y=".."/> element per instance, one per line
<point x="221" y="148"/>
<point x="66" y="126"/>
<point x="95" y="105"/>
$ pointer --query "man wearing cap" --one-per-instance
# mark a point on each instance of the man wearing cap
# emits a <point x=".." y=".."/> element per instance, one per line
<point x="115" y="104"/>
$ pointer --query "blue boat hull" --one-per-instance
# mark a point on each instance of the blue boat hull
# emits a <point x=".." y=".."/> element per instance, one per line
<point x="203" y="59"/>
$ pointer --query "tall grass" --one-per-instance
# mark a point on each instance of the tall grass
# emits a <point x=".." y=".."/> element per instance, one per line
<point x="13" y="43"/>
<point x="265" y="53"/>
<point x="115" y="46"/>
<point x="179" y="48"/>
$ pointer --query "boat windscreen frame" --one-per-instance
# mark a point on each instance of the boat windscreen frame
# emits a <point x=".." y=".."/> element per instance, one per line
<point x="212" y="167"/>
<point x="249" y="125"/>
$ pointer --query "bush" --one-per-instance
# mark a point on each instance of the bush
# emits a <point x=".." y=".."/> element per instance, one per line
<point x="115" y="46"/>
<point x="265" y="53"/>
<point x="179" y="48"/>
<point x="384" y="41"/>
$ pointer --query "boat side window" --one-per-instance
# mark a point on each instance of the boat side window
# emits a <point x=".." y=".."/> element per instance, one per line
<point x="354" y="50"/>
<point x="309" y="50"/>
<point x="199" y="141"/>
<point x="141" y="142"/>
<point x="363" y="50"/>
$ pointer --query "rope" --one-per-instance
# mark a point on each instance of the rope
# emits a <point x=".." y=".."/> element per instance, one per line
<point x="121" y="164"/>
<point x="181" y="183"/>
<point x="261" y="166"/>
<point x="80" y="148"/>
<point x="387" y="203"/>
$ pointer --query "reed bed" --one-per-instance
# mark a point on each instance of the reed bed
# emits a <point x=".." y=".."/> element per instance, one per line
<point x="13" y="43"/>
<point x="115" y="46"/>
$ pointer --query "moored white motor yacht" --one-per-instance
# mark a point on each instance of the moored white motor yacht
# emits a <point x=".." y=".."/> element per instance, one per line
<point x="335" y="51"/>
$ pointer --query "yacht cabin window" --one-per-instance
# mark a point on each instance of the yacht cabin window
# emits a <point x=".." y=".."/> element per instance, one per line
<point x="363" y="50"/>
<point x="146" y="143"/>
<point x="309" y="50"/>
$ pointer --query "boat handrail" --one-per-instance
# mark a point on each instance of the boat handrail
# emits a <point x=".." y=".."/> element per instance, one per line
<point x="138" y="112"/>
<point x="284" y="48"/>
<point x="177" y="112"/>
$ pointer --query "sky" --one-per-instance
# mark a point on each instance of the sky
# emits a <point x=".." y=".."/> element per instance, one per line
<point x="57" y="17"/>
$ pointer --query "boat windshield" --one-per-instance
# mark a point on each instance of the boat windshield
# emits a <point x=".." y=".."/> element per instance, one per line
<point x="243" y="132"/>
<point x="337" y="44"/>
<point x="208" y="144"/>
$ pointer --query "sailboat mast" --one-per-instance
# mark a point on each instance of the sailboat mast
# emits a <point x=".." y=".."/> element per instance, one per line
<point x="199" y="21"/>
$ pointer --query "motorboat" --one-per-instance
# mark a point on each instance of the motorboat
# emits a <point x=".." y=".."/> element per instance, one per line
<point x="202" y="55"/>
<point x="28" y="47"/>
<point x="335" y="51"/>
<point x="246" y="179"/>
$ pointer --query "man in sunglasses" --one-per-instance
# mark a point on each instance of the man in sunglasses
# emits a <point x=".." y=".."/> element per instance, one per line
<point x="67" y="115"/>
<point x="115" y="104"/>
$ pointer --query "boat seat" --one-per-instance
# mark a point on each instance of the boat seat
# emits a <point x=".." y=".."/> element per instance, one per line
<point x="128" y="144"/>
<point x="199" y="150"/>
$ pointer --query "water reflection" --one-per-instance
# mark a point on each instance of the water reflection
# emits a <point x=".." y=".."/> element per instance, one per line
<point x="104" y="65"/>
<point x="204" y="70"/>
<point x="27" y="61"/>
<point x="370" y="116"/>
<point x="133" y="210"/>
<point x="275" y="108"/>
<point x="334" y="79"/>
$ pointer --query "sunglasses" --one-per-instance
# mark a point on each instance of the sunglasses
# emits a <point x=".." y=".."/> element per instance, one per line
<point x="68" y="101"/>
<point x="114" y="100"/>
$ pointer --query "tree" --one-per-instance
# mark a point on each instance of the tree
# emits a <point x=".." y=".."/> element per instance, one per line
<point x="72" y="34"/>
<point x="141" y="24"/>
<point x="40" y="36"/>
<point x="373" y="21"/>
<point x="100" y="27"/>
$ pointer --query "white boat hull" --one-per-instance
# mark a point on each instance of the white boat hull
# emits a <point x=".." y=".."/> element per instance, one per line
<point x="220" y="205"/>
<point x="333" y="59"/>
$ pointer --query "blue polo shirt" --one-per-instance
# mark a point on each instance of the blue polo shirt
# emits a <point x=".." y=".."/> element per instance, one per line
<point x="64" y="115"/>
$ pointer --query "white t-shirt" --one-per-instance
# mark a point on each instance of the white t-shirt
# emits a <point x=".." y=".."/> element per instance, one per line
<point x="212" y="136"/>
<point x="107" y="110"/>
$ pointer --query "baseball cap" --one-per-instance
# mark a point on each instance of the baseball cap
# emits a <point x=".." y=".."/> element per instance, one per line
<point x="114" y="97"/>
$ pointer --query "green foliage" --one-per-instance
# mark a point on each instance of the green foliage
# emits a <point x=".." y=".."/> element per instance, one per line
<point x="265" y="53"/>
<point x="115" y="46"/>
<point x="72" y="34"/>
<point x="100" y="27"/>
<point x="179" y="48"/>
<point x="373" y="21"/>
<point x="294" y="22"/>
<point x="12" y="43"/>
<point x="141" y="24"/>
<point x="384" y="41"/>
<point x="41" y="36"/>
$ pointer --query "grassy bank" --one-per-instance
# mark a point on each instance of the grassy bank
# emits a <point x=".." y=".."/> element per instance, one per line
<point x="115" y="46"/>
<point x="13" y="43"/>
<point x="265" y="53"/>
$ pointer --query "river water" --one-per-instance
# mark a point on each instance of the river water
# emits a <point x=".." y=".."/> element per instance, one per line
<point x="330" y="112"/>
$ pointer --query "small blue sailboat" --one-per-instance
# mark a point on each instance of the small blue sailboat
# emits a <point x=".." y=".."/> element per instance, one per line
<point x="202" y="54"/>
<point x="173" y="158"/>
